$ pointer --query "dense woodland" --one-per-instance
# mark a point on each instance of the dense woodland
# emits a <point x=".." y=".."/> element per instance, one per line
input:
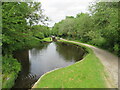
<point x="21" y="29"/>
<point x="99" y="27"/>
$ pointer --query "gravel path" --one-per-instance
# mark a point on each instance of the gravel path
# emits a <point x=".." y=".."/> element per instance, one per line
<point x="110" y="63"/>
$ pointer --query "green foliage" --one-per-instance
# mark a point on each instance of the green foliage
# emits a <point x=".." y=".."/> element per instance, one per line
<point x="18" y="20"/>
<point x="8" y="80"/>
<point x="14" y="24"/>
<point x="48" y="39"/>
<point x="28" y="44"/>
<point x="11" y="64"/>
<point x="39" y="35"/>
<point x="116" y="48"/>
<point x="40" y="31"/>
<point x="10" y="69"/>
<point x="99" y="27"/>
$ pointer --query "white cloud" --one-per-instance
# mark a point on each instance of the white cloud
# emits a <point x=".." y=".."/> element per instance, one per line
<point x="57" y="10"/>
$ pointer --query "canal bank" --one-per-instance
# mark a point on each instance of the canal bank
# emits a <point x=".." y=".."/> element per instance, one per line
<point x="86" y="74"/>
<point x="46" y="57"/>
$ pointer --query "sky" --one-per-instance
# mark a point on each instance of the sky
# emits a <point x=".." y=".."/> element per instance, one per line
<point x="57" y="10"/>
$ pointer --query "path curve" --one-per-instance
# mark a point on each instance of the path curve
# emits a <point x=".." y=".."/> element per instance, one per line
<point x="110" y="63"/>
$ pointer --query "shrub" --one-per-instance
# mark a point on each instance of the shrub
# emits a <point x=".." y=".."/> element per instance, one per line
<point x="116" y="48"/>
<point x="39" y="35"/>
<point x="10" y="69"/>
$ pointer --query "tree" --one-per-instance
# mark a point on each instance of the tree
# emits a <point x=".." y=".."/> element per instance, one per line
<point x="106" y="19"/>
<point x="99" y="27"/>
<point x="18" y="18"/>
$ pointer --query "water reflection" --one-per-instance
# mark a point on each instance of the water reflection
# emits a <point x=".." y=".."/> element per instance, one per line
<point x="23" y="58"/>
<point x="46" y="57"/>
<point x="70" y="52"/>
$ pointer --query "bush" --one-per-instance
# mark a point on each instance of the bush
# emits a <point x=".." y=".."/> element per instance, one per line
<point x="116" y="48"/>
<point x="39" y="35"/>
<point x="8" y="80"/>
<point x="10" y="64"/>
<point x="31" y="42"/>
<point x="10" y="69"/>
<point x="98" y="41"/>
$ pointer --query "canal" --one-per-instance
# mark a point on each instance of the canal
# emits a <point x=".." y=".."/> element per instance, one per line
<point x="43" y="58"/>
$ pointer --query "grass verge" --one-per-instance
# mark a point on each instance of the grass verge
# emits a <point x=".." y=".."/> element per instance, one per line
<point x="87" y="73"/>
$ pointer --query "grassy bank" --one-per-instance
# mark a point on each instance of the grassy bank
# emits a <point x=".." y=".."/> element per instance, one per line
<point x="83" y="74"/>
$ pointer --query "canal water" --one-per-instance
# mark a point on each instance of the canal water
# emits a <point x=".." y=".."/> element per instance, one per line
<point x="43" y="58"/>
